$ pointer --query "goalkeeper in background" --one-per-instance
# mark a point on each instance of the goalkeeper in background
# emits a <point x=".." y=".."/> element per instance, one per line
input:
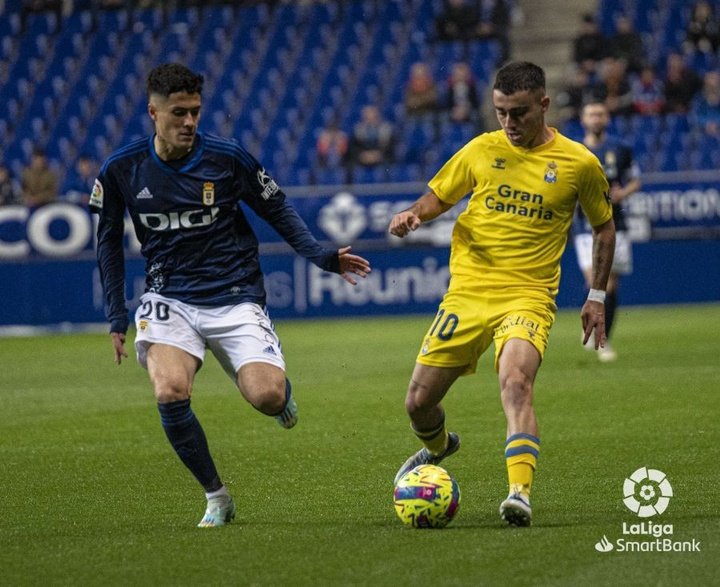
<point x="525" y="181"/>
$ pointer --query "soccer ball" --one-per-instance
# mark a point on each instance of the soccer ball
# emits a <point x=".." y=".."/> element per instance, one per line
<point x="426" y="497"/>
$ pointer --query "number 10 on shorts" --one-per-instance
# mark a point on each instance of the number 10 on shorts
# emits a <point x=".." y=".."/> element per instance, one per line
<point x="444" y="325"/>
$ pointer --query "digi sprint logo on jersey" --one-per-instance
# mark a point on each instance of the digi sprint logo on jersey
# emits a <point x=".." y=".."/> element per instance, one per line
<point x="647" y="494"/>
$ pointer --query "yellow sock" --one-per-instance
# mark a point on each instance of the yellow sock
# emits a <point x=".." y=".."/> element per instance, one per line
<point x="521" y="453"/>
<point x="436" y="439"/>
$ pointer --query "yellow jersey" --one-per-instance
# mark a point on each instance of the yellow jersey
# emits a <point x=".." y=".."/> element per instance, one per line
<point x="515" y="227"/>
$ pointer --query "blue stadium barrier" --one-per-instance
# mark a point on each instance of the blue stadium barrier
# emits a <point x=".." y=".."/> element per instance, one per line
<point x="48" y="275"/>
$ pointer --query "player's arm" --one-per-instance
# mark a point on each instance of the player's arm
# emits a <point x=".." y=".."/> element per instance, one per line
<point x="285" y="219"/>
<point x="277" y="211"/>
<point x="618" y="193"/>
<point x="426" y="207"/>
<point x="111" y="262"/>
<point x="593" y="311"/>
<point x="631" y="181"/>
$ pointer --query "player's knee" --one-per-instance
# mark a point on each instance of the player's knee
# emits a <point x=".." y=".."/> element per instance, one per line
<point x="167" y="391"/>
<point x="268" y="398"/>
<point x="263" y="386"/>
<point x="416" y="400"/>
<point x="516" y="388"/>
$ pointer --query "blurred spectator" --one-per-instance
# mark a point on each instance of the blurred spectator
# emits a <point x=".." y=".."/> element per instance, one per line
<point x="574" y="95"/>
<point x="373" y="140"/>
<point x="495" y="24"/>
<point x="9" y="194"/>
<point x="31" y="6"/>
<point x="421" y="95"/>
<point x="42" y="5"/>
<point x="648" y="95"/>
<point x="703" y="32"/>
<point x="80" y="180"/>
<point x="458" y="21"/>
<point x="332" y="145"/>
<point x="590" y="44"/>
<point x="627" y="44"/>
<point x="614" y="87"/>
<point x="681" y="85"/>
<point x="39" y="182"/>
<point x="465" y="20"/>
<point x="462" y="101"/>
<point x="706" y="107"/>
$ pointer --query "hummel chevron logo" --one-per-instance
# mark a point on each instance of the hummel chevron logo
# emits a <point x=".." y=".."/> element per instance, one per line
<point x="144" y="194"/>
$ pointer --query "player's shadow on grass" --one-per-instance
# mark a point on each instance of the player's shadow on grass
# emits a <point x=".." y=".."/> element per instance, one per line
<point x="474" y="521"/>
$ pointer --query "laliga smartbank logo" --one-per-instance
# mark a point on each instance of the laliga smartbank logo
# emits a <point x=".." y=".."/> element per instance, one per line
<point x="647" y="493"/>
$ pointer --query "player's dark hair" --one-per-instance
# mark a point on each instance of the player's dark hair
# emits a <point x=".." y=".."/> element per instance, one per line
<point x="518" y="76"/>
<point x="169" y="78"/>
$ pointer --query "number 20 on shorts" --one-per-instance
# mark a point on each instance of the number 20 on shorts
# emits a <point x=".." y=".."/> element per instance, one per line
<point x="162" y="311"/>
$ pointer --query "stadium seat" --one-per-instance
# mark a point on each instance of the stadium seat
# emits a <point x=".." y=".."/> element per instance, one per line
<point x="277" y="74"/>
<point x="330" y="176"/>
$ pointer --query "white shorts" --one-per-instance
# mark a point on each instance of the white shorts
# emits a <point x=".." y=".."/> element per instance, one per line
<point x="236" y="335"/>
<point x="622" y="262"/>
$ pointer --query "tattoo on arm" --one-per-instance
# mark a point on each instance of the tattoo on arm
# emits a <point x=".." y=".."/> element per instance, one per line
<point x="602" y="257"/>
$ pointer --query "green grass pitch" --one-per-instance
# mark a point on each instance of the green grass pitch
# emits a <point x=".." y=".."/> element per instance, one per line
<point x="92" y="493"/>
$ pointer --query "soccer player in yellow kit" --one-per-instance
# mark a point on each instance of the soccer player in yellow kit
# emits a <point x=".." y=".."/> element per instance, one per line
<point x="525" y="181"/>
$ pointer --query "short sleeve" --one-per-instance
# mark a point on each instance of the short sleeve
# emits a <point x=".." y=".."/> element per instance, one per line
<point x="594" y="193"/>
<point x="455" y="179"/>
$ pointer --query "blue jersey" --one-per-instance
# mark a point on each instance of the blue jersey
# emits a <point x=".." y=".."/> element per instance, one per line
<point x="196" y="240"/>
<point x="617" y="161"/>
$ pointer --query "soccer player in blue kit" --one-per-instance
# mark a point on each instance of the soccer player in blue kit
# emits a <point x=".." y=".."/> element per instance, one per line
<point x="623" y="175"/>
<point x="204" y="286"/>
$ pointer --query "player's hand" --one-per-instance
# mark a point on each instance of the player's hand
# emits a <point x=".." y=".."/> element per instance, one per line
<point x="616" y="193"/>
<point x="118" y="341"/>
<point x="403" y="223"/>
<point x="352" y="264"/>
<point x="593" y="318"/>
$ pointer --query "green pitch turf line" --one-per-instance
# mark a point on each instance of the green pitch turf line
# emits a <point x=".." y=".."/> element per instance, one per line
<point x="93" y="495"/>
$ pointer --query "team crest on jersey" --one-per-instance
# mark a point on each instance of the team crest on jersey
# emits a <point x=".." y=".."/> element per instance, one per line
<point x="142" y="325"/>
<point x="208" y="193"/>
<point x="499" y="163"/>
<point x="96" y="196"/>
<point x="551" y="172"/>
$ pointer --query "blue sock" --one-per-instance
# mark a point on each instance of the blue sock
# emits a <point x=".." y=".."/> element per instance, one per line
<point x="288" y="395"/>
<point x="288" y="392"/>
<point x="188" y="439"/>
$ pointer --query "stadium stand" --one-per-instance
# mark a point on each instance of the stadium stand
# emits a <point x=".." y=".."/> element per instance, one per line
<point x="671" y="141"/>
<point x="276" y="73"/>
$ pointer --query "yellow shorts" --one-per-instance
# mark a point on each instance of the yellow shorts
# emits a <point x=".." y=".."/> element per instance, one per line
<point x="468" y="321"/>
